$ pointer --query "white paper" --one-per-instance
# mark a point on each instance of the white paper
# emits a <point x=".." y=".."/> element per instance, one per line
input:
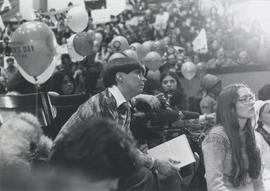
<point x="101" y="16"/>
<point x="177" y="148"/>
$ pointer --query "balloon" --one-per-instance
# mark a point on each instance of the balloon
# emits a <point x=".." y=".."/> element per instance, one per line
<point x="152" y="61"/>
<point x="148" y="45"/>
<point x="154" y="75"/>
<point x="188" y="70"/>
<point x="91" y="34"/>
<point x="98" y="37"/>
<point x="77" y="18"/>
<point x="33" y="45"/>
<point x="75" y="57"/>
<point x="131" y="54"/>
<point x="156" y="46"/>
<point x="42" y="78"/>
<point x="119" y="43"/>
<point x="140" y="50"/>
<point x="116" y="55"/>
<point x="83" y="44"/>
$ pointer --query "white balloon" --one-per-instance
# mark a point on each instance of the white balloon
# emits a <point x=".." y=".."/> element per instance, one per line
<point x="77" y="18"/>
<point x="75" y="57"/>
<point x="189" y="70"/>
<point x="42" y="78"/>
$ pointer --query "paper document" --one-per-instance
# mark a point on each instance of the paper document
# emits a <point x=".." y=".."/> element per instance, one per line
<point x="177" y="148"/>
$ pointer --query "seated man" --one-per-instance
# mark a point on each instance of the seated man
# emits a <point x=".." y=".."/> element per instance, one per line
<point x="124" y="79"/>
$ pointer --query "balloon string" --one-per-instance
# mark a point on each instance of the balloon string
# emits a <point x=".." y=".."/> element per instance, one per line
<point x="37" y="87"/>
<point x="36" y="109"/>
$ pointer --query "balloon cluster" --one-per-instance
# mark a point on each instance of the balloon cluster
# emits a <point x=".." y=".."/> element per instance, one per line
<point x="83" y="44"/>
<point x="34" y="45"/>
<point x="149" y="53"/>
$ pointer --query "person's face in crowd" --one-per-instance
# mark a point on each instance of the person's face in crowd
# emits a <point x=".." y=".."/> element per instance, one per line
<point x="243" y="58"/>
<point x="188" y="22"/>
<point x="213" y="11"/>
<point x="10" y="62"/>
<point x="189" y="47"/>
<point x="196" y="59"/>
<point x="245" y="103"/>
<point x="134" y="81"/>
<point x="67" y="85"/>
<point x="66" y="61"/>
<point x="161" y="10"/>
<point x="265" y="114"/>
<point x="169" y="83"/>
<point x="192" y="30"/>
<point x="215" y="45"/>
<point x="129" y="16"/>
<point x="220" y="53"/>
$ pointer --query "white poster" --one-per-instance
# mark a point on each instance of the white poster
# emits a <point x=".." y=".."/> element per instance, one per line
<point x="200" y="43"/>
<point x="101" y="16"/>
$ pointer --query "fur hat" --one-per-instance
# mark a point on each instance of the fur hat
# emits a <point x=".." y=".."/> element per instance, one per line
<point x="22" y="142"/>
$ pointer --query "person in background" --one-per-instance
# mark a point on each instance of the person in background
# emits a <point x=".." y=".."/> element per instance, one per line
<point x="62" y="83"/>
<point x="262" y="134"/>
<point x="212" y="86"/>
<point x="66" y="64"/>
<point x="232" y="159"/>
<point x="11" y="69"/>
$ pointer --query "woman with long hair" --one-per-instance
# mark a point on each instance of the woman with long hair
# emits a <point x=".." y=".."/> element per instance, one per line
<point x="232" y="159"/>
<point x="173" y="92"/>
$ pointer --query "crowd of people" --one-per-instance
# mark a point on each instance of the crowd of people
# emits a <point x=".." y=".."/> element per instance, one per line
<point x="103" y="145"/>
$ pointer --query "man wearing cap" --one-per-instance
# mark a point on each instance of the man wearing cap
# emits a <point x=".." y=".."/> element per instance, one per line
<point x="124" y="79"/>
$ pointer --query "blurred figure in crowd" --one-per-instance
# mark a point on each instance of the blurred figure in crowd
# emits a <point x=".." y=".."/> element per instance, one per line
<point x="262" y="133"/>
<point x="264" y="92"/>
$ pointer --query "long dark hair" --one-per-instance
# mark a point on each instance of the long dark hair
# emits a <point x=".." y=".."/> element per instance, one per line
<point x="56" y="82"/>
<point x="227" y="117"/>
<point x="178" y="96"/>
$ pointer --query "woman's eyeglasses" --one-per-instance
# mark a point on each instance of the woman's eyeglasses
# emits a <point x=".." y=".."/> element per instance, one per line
<point x="247" y="99"/>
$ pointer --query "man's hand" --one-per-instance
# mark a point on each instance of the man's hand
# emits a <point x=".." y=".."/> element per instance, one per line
<point x="150" y="99"/>
<point x="166" y="168"/>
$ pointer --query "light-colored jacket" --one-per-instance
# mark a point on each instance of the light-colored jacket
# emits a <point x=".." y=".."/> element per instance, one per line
<point x="217" y="154"/>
